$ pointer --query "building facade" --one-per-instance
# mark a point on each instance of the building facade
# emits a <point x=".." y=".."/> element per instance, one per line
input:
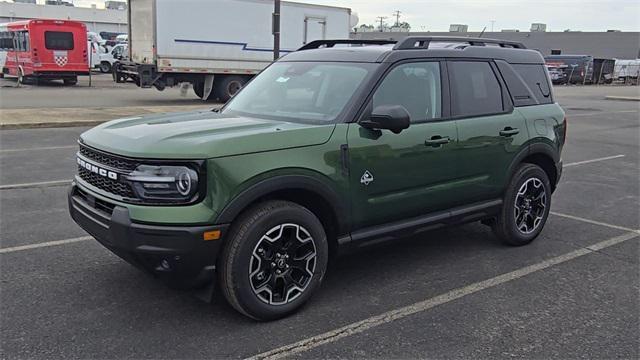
<point x="97" y="20"/>
<point x="609" y="45"/>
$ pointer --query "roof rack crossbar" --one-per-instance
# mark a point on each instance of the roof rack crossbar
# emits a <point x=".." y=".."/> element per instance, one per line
<point x="331" y="43"/>
<point x="422" y="42"/>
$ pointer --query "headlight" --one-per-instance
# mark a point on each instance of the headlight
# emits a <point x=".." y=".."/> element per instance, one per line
<point x="164" y="184"/>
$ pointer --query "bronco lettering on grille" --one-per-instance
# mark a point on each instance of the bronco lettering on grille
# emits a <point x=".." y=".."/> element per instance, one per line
<point x="97" y="170"/>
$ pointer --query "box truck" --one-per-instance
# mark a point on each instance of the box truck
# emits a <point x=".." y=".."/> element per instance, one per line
<point x="218" y="45"/>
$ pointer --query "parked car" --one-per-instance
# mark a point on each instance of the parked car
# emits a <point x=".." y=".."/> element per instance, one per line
<point x="122" y="39"/>
<point x="327" y="150"/>
<point x="577" y="68"/>
<point x="557" y="75"/>
<point x="107" y="60"/>
<point x="95" y="38"/>
<point x="627" y="69"/>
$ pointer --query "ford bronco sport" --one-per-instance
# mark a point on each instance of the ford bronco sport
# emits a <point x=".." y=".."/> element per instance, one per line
<point x="333" y="146"/>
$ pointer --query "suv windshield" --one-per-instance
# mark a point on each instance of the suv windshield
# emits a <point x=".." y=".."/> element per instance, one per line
<point x="305" y="91"/>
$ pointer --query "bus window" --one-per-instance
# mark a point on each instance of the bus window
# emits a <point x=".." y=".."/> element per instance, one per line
<point x="6" y="40"/>
<point x="58" y="40"/>
<point x="22" y="41"/>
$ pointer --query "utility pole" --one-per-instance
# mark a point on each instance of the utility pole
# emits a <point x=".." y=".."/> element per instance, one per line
<point x="381" y="18"/>
<point x="397" y="15"/>
<point x="276" y="29"/>
<point x="492" y="22"/>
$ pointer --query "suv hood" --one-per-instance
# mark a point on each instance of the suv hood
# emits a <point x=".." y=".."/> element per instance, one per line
<point x="200" y="135"/>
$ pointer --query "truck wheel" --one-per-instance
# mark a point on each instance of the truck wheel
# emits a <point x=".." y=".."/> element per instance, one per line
<point x="105" y="67"/>
<point x="20" y="75"/>
<point x="198" y="89"/>
<point x="70" y="81"/>
<point x="526" y="206"/>
<point x="227" y="87"/>
<point x="274" y="260"/>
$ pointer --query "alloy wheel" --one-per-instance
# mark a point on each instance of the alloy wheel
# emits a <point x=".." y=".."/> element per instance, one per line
<point x="530" y="205"/>
<point x="282" y="264"/>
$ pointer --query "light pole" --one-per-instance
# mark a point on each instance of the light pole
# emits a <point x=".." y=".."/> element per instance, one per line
<point x="382" y="18"/>
<point x="276" y="29"/>
<point x="397" y="15"/>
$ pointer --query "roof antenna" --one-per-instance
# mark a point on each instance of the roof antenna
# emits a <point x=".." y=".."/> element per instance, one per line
<point x="482" y="32"/>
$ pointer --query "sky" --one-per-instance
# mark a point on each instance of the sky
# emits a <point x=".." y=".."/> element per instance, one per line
<point x="436" y="15"/>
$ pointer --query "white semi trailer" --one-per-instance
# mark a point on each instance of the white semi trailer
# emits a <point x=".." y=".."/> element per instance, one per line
<point x="218" y="45"/>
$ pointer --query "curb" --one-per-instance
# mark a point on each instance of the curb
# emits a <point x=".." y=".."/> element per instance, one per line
<point x="623" y="98"/>
<point x="43" y="125"/>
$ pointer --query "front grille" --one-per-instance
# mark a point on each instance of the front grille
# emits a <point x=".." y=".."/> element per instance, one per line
<point x="112" y="161"/>
<point x="98" y="204"/>
<point x="106" y="184"/>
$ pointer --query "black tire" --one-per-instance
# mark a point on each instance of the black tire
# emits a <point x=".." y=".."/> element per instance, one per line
<point x="70" y="81"/>
<point x="247" y="240"/>
<point x="20" y="76"/>
<point x="506" y="226"/>
<point x="198" y="89"/>
<point x="105" y="67"/>
<point x="226" y="87"/>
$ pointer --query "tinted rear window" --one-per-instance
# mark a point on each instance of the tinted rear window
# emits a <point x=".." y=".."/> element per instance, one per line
<point x="58" y="40"/>
<point x="535" y="77"/>
<point x="475" y="90"/>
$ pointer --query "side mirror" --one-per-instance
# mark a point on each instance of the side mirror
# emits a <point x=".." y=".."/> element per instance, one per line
<point x="389" y="117"/>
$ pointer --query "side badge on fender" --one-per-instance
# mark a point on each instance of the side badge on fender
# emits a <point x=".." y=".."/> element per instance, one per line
<point x="366" y="178"/>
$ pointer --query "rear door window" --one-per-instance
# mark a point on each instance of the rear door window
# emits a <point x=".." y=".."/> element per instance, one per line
<point x="475" y="90"/>
<point x="535" y="77"/>
<point x="58" y="40"/>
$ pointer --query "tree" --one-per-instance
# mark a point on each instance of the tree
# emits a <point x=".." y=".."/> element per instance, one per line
<point x="404" y="25"/>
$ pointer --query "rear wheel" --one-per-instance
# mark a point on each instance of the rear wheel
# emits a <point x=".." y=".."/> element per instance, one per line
<point x="275" y="258"/>
<point x="225" y="88"/>
<point x="70" y="81"/>
<point x="198" y="89"/>
<point x="20" y="75"/>
<point x="526" y="206"/>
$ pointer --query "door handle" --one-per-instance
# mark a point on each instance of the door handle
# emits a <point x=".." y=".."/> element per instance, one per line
<point x="509" y="131"/>
<point x="437" y="140"/>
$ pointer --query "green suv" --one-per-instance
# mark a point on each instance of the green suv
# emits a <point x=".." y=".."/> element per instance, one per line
<point x="332" y="147"/>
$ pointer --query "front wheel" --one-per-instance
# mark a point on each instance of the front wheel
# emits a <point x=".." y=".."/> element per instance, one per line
<point x="105" y="67"/>
<point x="526" y="206"/>
<point x="274" y="260"/>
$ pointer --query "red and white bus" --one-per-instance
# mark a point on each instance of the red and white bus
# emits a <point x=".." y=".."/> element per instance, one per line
<point x="44" y="49"/>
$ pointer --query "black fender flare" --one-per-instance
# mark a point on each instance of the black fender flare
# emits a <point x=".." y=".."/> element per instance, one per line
<point x="533" y="149"/>
<point x="286" y="182"/>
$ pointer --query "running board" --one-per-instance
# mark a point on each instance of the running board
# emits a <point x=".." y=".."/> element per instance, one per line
<point x="405" y="228"/>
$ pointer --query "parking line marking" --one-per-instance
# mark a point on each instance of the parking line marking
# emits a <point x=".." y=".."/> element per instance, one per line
<point x="570" y="115"/>
<point x="387" y="317"/>
<point x="44" y="244"/>
<point x="36" y="184"/>
<point x="39" y="148"/>
<point x="594" y="160"/>
<point x="594" y="222"/>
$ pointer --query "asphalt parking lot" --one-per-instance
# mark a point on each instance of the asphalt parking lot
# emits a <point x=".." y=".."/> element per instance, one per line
<point x="452" y="293"/>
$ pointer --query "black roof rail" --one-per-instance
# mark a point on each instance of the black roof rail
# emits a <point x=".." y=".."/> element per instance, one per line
<point x="422" y="42"/>
<point x="331" y="43"/>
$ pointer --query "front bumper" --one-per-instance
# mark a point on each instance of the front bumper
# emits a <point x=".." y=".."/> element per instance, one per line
<point x="178" y="255"/>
